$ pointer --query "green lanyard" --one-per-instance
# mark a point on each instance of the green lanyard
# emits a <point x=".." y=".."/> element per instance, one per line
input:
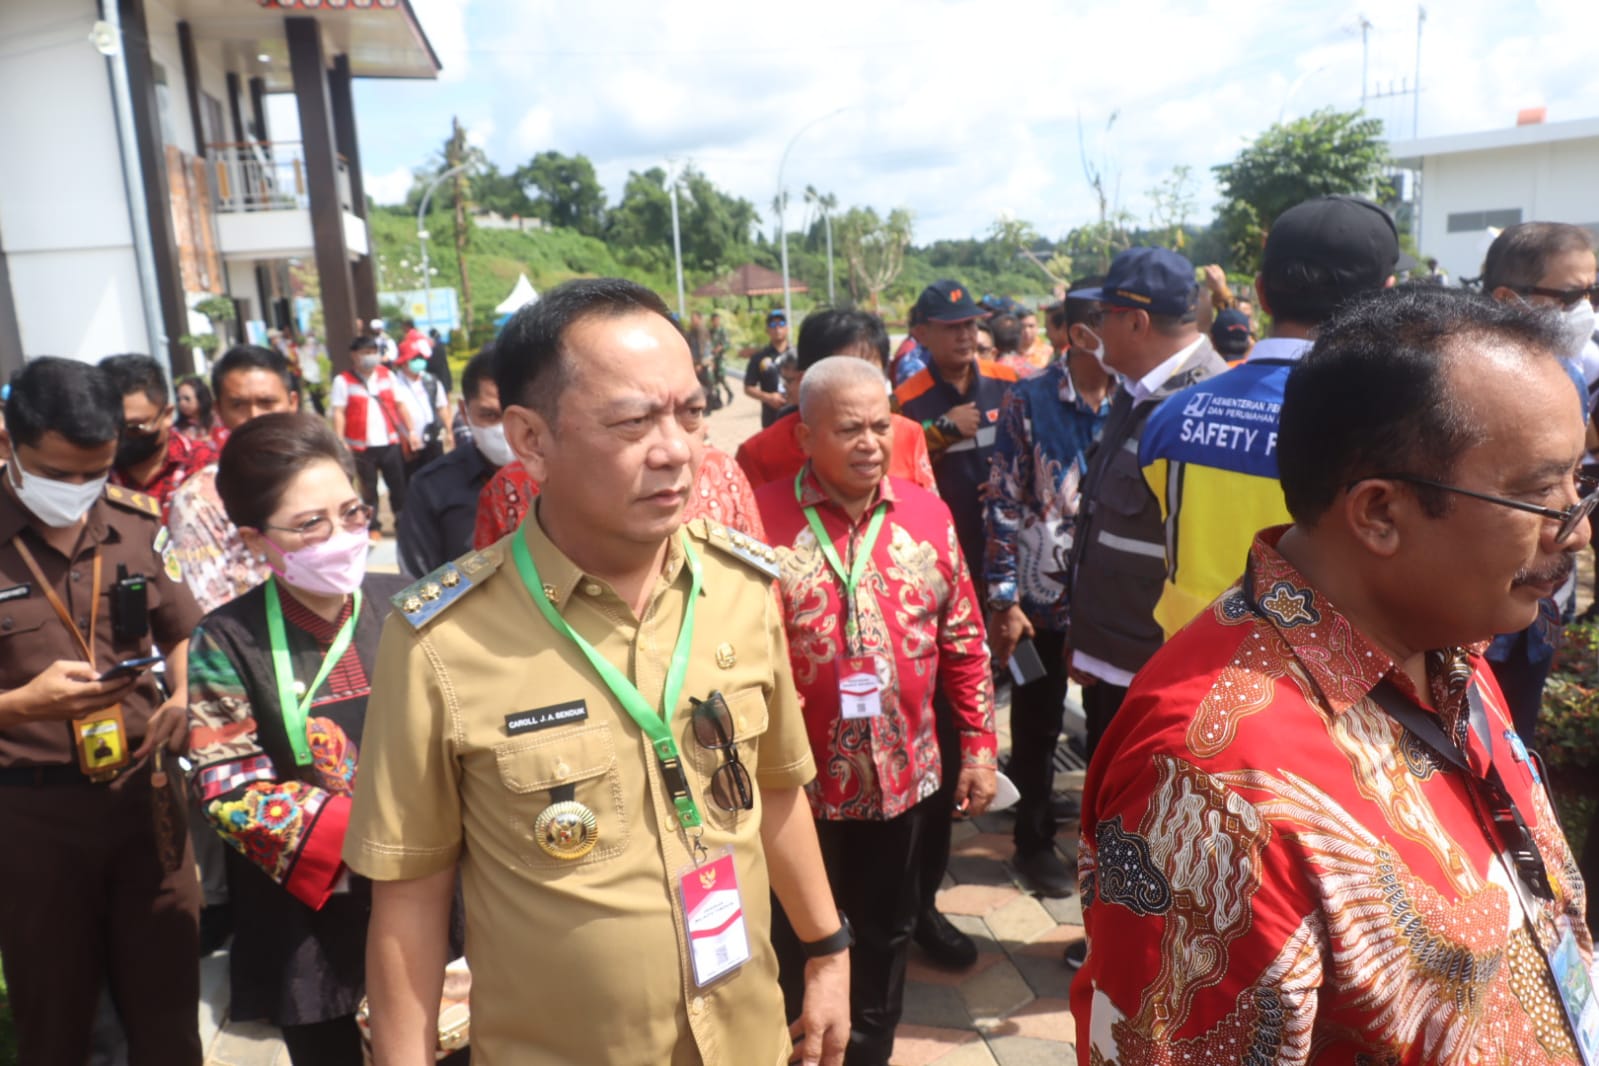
<point x="852" y="577"/>
<point x="654" y="725"/>
<point x="295" y="711"/>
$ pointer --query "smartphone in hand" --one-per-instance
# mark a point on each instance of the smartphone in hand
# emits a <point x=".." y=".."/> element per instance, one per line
<point x="1025" y="665"/>
<point x="128" y="667"/>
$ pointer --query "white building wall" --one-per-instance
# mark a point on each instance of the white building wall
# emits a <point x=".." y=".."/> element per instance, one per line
<point x="1551" y="182"/>
<point x="63" y="206"/>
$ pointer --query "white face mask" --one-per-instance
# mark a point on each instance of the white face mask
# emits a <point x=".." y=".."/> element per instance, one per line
<point x="490" y="440"/>
<point x="1098" y="350"/>
<point x="58" y="504"/>
<point x="1577" y="323"/>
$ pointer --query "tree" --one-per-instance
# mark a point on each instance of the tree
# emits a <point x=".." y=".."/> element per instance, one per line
<point x="1171" y="202"/>
<point x="874" y="249"/>
<point x="1019" y="235"/>
<point x="564" y="191"/>
<point x="715" y="225"/>
<point x="1091" y="248"/>
<point x="457" y="153"/>
<point x="1325" y="152"/>
<point x="640" y="226"/>
<point x="494" y="190"/>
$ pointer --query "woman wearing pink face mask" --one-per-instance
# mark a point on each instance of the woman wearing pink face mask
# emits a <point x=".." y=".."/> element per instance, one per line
<point x="281" y="677"/>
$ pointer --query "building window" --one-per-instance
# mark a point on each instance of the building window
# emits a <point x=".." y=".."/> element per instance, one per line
<point x="1474" y="221"/>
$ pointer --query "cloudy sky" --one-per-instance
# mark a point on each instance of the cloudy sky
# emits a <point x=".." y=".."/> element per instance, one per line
<point x="961" y="111"/>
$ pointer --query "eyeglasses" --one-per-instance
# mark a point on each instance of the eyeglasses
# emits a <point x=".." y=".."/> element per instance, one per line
<point x="1566" y="298"/>
<point x="1569" y="519"/>
<point x="146" y="429"/>
<point x="354" y="519"/>
<point x="713" y="728"/>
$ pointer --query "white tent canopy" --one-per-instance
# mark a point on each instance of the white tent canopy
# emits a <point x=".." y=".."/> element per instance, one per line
<point x="522" y="295"/>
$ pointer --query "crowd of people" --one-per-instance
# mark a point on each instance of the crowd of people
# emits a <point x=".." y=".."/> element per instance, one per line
<point x="668" y="740"/>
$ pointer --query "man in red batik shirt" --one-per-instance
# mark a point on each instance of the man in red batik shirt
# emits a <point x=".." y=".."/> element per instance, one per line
<point x="775" y="453"/>
<point x="150" y="457"/>
<point x="881" y="615"/>
<point x="1311" y="830"/>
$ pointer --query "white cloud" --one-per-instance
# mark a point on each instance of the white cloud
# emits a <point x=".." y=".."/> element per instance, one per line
<point x="961" y="109"/>
<point x="444" y="22"/>
<point x="389" y="187"/>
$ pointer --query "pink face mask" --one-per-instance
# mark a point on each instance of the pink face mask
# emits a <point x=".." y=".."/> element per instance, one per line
<point x="333" y="567"/>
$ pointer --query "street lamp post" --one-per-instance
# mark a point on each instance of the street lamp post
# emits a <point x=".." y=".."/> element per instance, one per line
<point x="422" y="235"/>
<point x="782" y="202"/>
<point x="677" y="247"/>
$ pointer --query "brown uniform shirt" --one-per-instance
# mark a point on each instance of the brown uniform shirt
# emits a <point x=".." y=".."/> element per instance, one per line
<point x="585" y="960"/>
<point x="123" y="526"/>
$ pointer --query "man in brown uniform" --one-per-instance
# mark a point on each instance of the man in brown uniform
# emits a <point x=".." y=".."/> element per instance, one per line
<point x="595" y="719"/>
<point x="92" y="892"/>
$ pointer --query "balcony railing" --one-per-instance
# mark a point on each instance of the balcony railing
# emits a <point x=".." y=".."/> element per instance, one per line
<point x="265" y="176"/>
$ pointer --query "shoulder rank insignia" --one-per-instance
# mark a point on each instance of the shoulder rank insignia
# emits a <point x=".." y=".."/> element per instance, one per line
<point x="421" y="602"/>
<point x="744" y="548"/>
<point x="133" y="501"/>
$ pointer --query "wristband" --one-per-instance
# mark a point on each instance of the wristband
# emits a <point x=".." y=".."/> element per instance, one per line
<point x="831" y="945"/>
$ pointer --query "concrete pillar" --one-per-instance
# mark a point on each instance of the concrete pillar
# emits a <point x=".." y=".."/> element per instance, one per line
<point x="311" y="90"/>
<point x="339" y="83"/>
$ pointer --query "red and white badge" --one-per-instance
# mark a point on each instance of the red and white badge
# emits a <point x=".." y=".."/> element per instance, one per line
<point x="860" y="686"/>
<point x="713" y="913"/>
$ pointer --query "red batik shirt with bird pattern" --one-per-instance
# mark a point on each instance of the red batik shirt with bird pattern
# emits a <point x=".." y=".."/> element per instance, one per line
<point x="916" y="613"/>
<point x="1274" y="870"/>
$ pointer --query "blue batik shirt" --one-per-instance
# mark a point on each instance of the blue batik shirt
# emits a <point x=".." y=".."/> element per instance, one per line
<point x="1044" y="431"/>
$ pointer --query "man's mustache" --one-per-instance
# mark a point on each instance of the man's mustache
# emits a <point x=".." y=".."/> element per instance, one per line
<point x="1555" y="573"/>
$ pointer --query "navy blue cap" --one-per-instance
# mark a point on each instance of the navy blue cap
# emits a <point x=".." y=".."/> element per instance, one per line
<point x="1149" y="279"/>
<point x="947" y="301"/>
<point x="776" y="316"/>
<point x="1230" y="332"/>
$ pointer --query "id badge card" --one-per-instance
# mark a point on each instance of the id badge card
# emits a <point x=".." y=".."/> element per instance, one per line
<point x="102" y="742"/>
<point x="1576" y="985"/>
<point x="713" y="915"/>
<point x="860" y="692"/>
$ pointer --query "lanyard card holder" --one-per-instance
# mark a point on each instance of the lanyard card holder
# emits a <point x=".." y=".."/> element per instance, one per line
<point x="101" y="740"/>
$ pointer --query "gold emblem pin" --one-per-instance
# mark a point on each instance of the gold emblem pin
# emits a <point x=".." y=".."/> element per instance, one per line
<point x="725" y="656"/>
<point x="450" y="579"/>
<point x="549" y="592"/>
<point x="430" y="591"/>
<point x="566" y="830"/>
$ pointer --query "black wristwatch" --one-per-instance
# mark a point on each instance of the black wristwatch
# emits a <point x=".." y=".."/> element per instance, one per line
<point x="831" y="945"/>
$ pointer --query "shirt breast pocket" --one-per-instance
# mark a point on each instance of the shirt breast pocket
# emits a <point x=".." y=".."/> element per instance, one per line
<point x="539" y="770"/>
<point x="722" y="786"/>
<point x="26" y="645"/>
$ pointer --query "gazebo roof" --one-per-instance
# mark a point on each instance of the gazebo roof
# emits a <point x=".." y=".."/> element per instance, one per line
<point x="750" y="280"/>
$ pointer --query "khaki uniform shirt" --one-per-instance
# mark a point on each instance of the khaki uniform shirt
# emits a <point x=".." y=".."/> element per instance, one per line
<point x="581" y="961"/>
<point x="124" y="526"/>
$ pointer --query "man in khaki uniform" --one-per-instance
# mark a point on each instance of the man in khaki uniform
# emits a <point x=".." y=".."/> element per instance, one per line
<point x="518" y="734"/>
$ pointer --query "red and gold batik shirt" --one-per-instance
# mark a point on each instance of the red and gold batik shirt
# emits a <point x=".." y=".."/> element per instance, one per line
<point x="1274" y="870"/>
<point x="916" y="611"/>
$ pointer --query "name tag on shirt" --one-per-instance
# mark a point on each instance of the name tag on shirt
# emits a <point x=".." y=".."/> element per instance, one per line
<point x="545" y="717"/>
<point x="860" y="690"/>
<point x="1576" y="986"/>
<point x="17" y="592"/>
<point x="713" y="914"/>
